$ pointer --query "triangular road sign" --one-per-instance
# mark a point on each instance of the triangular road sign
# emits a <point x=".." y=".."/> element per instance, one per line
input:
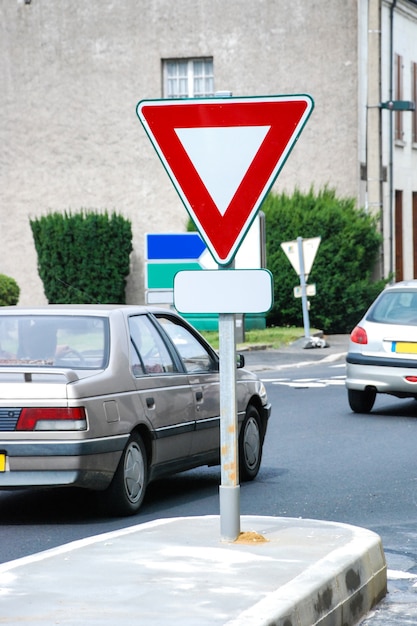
<point x="309" y="251"/>
<point x="223" y="155"/>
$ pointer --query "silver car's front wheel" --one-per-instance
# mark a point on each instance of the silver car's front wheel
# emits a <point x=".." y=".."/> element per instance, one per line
<point x="127" y="489"/>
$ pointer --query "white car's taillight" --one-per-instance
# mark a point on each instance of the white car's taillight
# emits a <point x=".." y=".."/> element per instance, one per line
<point x="52" y="419"/>
<point x="358" y="335"/>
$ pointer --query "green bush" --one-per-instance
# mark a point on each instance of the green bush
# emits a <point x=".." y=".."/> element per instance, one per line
<point x="83" y="257"/>
<point x="343" y="266"/>
<point x="9" y="291"/>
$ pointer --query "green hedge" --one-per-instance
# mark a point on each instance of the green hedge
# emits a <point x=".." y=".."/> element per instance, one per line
<point x="83" y="257"/>
<point x="9" y="291"/>
<point x="343" y="267"/>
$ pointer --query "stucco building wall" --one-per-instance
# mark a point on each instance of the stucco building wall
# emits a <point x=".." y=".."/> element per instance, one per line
<point x="71" y="74"/>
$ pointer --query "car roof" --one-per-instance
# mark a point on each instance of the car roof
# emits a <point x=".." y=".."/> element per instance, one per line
<point x="79" y="309"/>
<point x="404" y="284"/>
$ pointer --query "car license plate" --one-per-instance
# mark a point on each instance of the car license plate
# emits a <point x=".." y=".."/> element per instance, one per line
<point x="2" y="462"/>
<point x="405" y="347"/>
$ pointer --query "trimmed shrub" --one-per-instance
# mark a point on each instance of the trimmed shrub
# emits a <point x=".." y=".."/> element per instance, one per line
<point x="342" y="269"/>
<point x="83" y="257"/>
<point x="9" y="291"/>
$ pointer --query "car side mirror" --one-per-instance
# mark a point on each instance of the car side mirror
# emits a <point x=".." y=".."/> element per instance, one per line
<point x="240" y="361"/>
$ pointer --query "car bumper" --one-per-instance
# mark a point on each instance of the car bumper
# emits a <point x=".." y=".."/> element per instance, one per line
<point x="86" y="463"/>
<point x="266" y="412"/>
<point x="384" y="374"/>
<point x="353" y="358"/>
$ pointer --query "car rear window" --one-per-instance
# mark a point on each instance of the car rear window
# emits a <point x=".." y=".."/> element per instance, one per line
<point x="395" y="307"/>
<point x="76" y="342"/>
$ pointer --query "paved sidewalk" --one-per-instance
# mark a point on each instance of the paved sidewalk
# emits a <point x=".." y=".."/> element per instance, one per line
<point x="285" y="572"/>
<point x="258" y="358"/>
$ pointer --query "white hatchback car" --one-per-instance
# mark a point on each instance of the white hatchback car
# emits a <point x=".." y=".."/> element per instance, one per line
<point x="382" y="356"/>
<point x="112" y="397"/>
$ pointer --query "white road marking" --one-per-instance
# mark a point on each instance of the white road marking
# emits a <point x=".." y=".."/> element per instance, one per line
<point x="393" y="574"/>
<point x="307" y="383"/>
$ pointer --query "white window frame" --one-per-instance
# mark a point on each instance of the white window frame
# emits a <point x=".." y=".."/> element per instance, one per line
<point x="176" y="71"/>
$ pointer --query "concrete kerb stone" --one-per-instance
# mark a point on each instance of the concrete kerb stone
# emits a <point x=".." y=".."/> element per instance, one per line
<point x="308" y="573"/>
<point x="337" y="590"/>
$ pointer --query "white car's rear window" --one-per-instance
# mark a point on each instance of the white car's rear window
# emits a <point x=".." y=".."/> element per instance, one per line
<point x="54" y="341"/>
<point x="395" y="307"/>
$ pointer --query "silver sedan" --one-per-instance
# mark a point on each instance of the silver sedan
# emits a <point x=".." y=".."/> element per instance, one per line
<point x="112" y="397"/>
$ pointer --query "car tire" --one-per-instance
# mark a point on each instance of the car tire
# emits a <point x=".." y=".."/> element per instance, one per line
<point x="250" y="445"/>
<point x="361" y="401"/>
<point x="125" y="494"/>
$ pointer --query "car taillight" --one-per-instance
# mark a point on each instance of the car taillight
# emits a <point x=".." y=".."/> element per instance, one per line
<point x="358" y="335"/>
<point x="411" y="379"/>
<point x="52" y="419"/>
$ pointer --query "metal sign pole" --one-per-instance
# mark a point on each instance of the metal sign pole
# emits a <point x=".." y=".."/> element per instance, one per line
<point x="303" y="285"/>
<point x="229" y="491"/>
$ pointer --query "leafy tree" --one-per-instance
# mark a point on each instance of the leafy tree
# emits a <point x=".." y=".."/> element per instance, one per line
<point x="9" y="291"/>
<point x="342" y="269"/>
<point x="83" y="257"/>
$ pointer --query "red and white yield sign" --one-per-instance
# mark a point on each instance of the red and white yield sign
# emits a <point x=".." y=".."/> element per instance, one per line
<point x="223" y="155"/>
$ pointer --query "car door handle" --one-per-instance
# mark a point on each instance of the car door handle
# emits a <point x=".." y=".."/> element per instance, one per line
<point x="150" y="402"/>
<point x="199" y="396"/>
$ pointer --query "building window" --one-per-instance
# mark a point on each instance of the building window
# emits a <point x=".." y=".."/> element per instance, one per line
<point x="188" y="78"/>
<point x="398" y="128"/>
<point x="414" y="98"/>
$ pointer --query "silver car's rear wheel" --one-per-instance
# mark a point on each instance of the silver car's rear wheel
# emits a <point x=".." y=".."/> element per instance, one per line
<point x="127" y="489"/>
<point x="361" y="401"/>
<point x="250" y="445"/>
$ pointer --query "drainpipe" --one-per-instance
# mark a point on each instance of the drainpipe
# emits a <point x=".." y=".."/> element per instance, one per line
<point x="374" y="170"/>
<point x="391" y="141"/>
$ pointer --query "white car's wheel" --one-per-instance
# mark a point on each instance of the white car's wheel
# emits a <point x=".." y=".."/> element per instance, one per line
<point x="361" y="401"/>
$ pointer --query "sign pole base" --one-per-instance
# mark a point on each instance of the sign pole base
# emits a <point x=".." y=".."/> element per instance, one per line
<point x="229" y="512"/>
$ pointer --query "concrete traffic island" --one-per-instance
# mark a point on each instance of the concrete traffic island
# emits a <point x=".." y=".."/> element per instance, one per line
<point x="280" y="572"/>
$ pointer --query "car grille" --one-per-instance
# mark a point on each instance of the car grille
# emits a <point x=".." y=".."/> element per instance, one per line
<point x="9" y="418"/>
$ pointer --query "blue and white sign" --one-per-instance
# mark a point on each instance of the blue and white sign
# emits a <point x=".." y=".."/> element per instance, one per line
<point x="169" y="253"/>
<point x="174" y="246"/>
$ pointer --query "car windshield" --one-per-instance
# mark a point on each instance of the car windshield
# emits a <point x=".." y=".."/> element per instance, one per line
<point x="395" y="307"/>
<point x="54" y="341"/>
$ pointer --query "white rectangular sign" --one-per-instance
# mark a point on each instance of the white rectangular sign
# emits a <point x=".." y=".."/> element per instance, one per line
<point x="310" y="291"/>
<point x="223" y="291"/>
